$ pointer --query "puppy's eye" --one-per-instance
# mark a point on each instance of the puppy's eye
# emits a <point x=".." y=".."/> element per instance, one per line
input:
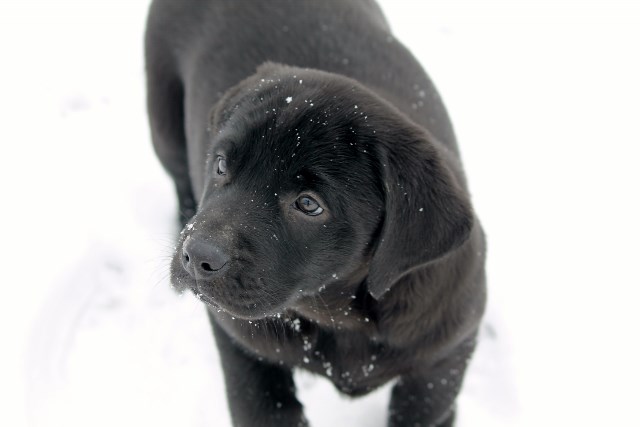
<point x="222" y="166"/>
<point x="308" y="205"/>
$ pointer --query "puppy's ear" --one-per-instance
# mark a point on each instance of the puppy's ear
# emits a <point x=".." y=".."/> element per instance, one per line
<point x="427" y="212"/>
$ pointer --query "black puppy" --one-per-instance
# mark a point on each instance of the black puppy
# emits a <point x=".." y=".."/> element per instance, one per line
<point x="327" y="221"/>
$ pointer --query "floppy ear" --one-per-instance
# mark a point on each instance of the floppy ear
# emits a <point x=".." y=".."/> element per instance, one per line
<point x="427" y="213"/>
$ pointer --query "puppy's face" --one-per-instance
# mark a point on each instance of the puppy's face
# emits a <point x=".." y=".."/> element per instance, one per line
<point x="293" y="196"/>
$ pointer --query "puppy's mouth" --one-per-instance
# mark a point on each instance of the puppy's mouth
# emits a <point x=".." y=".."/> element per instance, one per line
<point x="205" y="298"/>
<point x="244" y="299"/>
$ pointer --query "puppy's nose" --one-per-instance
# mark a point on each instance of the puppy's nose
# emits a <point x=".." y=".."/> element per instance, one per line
<point x="202" y="259"/>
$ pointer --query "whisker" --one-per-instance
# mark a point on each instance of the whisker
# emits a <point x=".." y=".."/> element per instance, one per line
<point x="329" y="312"/>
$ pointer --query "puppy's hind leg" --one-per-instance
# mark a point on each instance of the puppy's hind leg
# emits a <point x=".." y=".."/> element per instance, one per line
<point x="165" y="104"/>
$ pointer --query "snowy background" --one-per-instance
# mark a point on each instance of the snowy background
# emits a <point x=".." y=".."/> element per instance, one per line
<point x="545" y="97"/>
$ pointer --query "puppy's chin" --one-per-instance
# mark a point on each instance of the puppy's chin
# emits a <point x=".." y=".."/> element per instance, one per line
<point x="242" y="307"/>
<point x="251" y="311"/>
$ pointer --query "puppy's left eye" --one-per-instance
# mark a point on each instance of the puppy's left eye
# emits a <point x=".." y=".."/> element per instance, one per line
<point x="309" y="205"/>
<point x="222" y="166"/>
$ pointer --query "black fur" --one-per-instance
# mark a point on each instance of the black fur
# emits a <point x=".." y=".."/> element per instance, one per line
<point x="256" y="104"/>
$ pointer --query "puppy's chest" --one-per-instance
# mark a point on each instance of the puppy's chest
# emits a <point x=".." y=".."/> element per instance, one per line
<point x="353" y="360"/>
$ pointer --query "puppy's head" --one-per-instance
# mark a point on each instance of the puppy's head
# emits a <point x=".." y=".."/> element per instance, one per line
<point x="313" y="181"/>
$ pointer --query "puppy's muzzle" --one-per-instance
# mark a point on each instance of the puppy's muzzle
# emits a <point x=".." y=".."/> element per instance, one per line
<point x="202" y="259"/>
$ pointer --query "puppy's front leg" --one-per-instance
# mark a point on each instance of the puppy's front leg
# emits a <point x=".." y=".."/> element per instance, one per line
<point x="427" y="398"/>
<point x="415" y="402"/>
<point x="258" y="393"/>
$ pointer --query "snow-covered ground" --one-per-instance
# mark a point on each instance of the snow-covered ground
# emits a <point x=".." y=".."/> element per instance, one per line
<point x="545" y="97"/>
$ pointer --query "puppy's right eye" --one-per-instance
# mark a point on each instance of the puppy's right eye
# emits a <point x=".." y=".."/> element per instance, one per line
<point x="309" y="205"/>
<point x="222" y="166"/>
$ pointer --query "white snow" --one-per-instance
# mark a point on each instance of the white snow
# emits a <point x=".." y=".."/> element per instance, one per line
<point x="289" y="99"/>
<point x="544" y="98"/>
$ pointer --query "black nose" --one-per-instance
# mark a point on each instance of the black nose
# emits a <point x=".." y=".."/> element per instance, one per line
<point x="203" y="259"/>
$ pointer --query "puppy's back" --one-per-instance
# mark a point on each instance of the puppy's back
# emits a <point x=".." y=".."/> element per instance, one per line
<point x="217" y="43"/>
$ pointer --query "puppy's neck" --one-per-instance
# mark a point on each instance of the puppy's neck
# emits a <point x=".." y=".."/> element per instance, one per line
<point x="341" y="305"/>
